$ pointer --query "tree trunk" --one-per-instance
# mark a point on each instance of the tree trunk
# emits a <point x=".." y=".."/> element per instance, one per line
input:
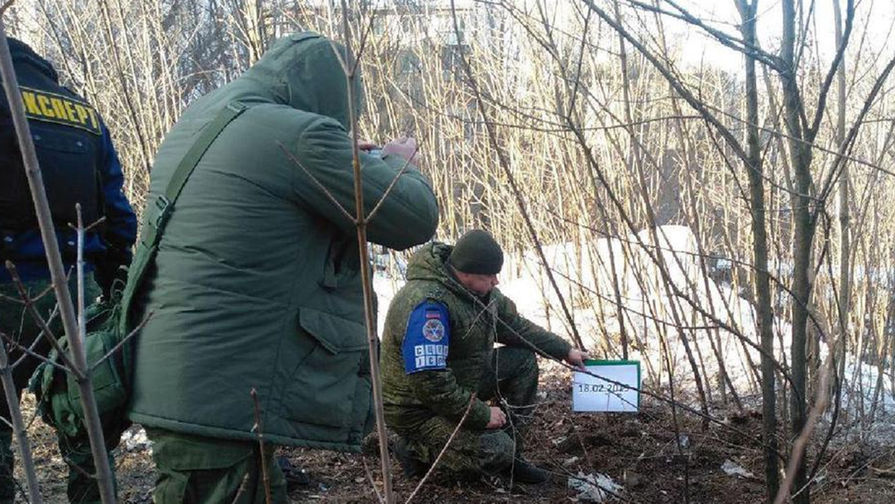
<point x="803" y="227"/>
<point x="754" y="170"/>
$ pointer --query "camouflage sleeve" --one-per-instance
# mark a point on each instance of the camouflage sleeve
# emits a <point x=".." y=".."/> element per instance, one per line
<point x="515" y="330"/>
<point x="440" y="391"/>
<point x="425" y="348"/>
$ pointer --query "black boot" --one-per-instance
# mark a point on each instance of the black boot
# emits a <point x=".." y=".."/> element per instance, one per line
<point x="296" y="477"/>
<point x="526" y="472"/>
<point x="411" y="466"/>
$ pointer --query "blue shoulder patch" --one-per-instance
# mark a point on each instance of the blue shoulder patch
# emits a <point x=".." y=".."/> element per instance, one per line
<point x="427" y="338"/>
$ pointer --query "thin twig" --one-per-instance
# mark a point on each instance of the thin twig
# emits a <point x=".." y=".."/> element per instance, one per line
<point x="242" y="487"/>
<point x="798" y="446"/>
<point x="32" y="311"/>
<point x="391" y="185"/>
<point x="29" y="352"/>
<point x="123" y="340"/>
<point x="370" y="479"/>
<point x="79" y="271"/>
<point x="10" y="299"/>
<point x="259" y="430"/>
<point x="318" y="184"/>
<point x="16" y="300"/>
<point x="18" y="426"/>
<point x="39" y="337"/>
<point x="95" y="223"/>
<point x="363" y="42"/>
<point x="366" y="279"/>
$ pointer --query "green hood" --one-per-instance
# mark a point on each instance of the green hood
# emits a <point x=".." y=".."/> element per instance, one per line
<point x="302" y="71"/>
<point x="429" y="263"/>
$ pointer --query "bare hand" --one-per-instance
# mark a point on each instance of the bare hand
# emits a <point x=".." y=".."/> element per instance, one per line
<point x="577" y="357"/>
<point x="366" y="145"/>
<point x="498" y="418"/>
<point x="405" y="147"/>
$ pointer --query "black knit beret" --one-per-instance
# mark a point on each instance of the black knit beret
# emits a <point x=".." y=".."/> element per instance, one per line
<point x="477" y="252"/>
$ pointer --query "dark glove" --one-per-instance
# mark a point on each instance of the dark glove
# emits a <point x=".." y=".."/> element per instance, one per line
<point x="111" y="273"/>
<point x="111" y="281"/>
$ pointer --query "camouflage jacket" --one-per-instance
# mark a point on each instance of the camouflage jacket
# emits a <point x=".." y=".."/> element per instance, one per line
<point x="475" y="324"/>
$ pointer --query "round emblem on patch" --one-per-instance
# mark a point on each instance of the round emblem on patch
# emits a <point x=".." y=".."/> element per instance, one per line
<point x="433" y="330"/>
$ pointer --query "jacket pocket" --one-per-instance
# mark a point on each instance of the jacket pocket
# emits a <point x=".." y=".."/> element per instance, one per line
<point x="323" y="386"/>
<point x="342" y="264"/>
<point x="336" y="334"/>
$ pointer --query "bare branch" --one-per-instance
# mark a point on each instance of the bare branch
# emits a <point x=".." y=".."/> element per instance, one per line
<point x="258" y="428"/>
<point x="846" y="147"/>
<point x="319" y="185"/>
<point x="243" y="486"/>
<point x="831" y="73"/>
<point x="29" y="352"/>
<point x="45" y="329"/>
<point x="675" y="83"/>
<point x="725" y="39"/>
<point x="369" y="476"/>
<point x="123" y="341"/>
<point x="798" y="449"/>
<point x="472" y="398"/>
<point x="517" y="193"/>
<point x="391" y="185"/>
<point x="40" y="336"/>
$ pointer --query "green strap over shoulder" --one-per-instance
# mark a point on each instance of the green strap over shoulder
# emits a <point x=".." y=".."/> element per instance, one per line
<point x="157" y="212"/>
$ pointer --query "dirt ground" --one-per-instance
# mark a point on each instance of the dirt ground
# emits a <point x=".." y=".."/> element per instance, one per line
<point x="638" y="451"/>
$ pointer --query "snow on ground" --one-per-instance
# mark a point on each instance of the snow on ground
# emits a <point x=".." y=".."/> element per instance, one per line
<point x="717" y="322"/>
<point x="868" y="403"/>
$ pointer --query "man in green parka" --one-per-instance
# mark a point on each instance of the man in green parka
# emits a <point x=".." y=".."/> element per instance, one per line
<point x="439" y="361"/>
<point x="256" y="284"/>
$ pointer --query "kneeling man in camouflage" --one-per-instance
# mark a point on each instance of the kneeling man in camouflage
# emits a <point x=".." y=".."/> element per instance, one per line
<point x="438" y="356"/>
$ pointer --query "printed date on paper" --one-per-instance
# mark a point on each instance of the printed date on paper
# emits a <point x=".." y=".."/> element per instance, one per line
<point x="607" y="386"/>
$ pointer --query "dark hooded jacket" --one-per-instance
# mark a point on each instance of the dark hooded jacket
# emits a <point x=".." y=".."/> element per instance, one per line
<point x="256" y="283"/>
<point x="78" y="165"/>
<point x="476" y="324"/>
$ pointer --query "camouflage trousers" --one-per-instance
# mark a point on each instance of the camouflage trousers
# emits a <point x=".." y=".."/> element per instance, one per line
<point x="203" y="470"/>
<point x="22" y="329"/>
<point x="512" y="381"/>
